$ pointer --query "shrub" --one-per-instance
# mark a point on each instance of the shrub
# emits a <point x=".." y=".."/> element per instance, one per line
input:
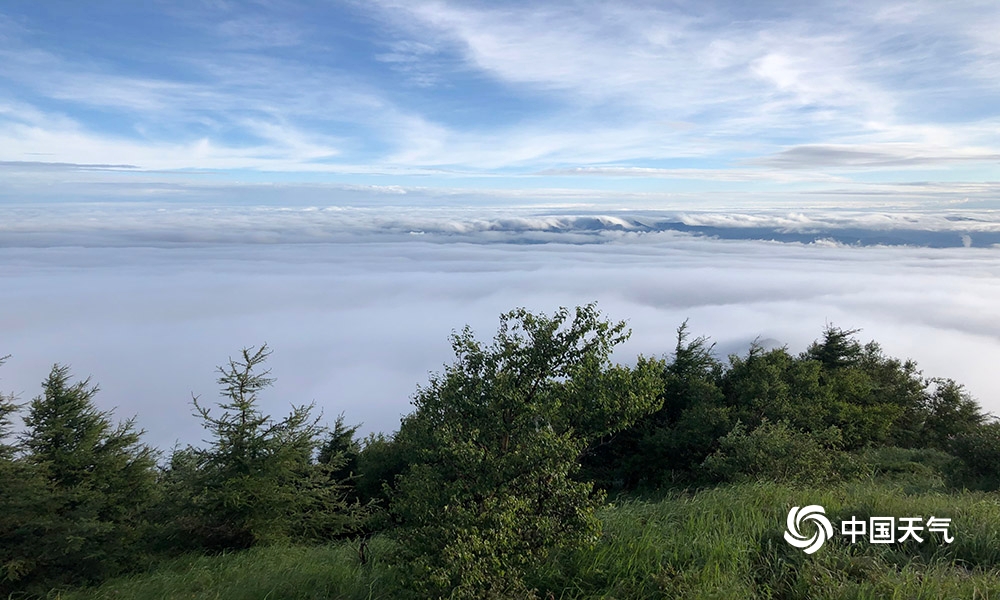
<point x="776" y="452"/>
<point x="979" y="453"/>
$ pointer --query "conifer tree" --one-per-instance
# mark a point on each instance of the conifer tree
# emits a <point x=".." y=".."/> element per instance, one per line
<point x="340" y="450"/>
<point x="257" y="482"/>
<point x="22" y="494"/>
<point x="8" y="408"/>
<point x="90" y="483"/>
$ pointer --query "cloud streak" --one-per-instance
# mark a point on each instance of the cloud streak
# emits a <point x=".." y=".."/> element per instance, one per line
<point x="561" y="91"/>
<point x="872" y="157"/>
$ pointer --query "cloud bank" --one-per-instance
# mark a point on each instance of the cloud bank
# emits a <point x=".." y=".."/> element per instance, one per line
<point x="152" y="224"/>
<point x="358" y="321"/>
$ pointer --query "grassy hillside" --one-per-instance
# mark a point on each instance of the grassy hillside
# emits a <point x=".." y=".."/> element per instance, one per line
<point x="716" y="543"/>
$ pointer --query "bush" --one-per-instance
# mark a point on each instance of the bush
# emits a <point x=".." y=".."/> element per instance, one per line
<point x="979" y="453"/>
<point x="918" y="468"/>
<point x="776" y="452"/>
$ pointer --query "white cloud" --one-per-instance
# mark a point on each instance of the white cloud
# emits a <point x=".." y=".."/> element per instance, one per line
<point x="158" y="224"/>
<point x="821" y="73"/>
<point x="874" y="156"/>
<point x="703" y="93"/>
<point x="259" y="32"/>
<point x="733" y="174"/>
<point x="356" y="322"/>
<point x="597" y="53"/>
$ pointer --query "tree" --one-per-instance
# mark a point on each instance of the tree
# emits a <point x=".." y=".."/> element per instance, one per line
<point x="950" y="412"/>
<point x="8" y="408"/>
<point x="872" y="398"/>
<point x="676" y="437"/>
<point x="498" y="438"/>
<point x="340" y="451"/>
<point x="776" y="452"/>
<point x="26" y="508"/>
<point x="838" y="348"/>
<point x="979" y="453"/>
<point x="257" y="482"/>
<point x="77" y="444"/>
<point x="89" y="483"/>
<point x="381" y="460"/>
<point x="21" y="494"/>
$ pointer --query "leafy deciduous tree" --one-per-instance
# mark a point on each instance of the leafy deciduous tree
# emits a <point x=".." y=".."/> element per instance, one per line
<point x="498" y="438"/>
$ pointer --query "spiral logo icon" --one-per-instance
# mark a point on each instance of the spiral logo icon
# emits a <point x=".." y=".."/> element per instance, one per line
<point x="814" y="513"/>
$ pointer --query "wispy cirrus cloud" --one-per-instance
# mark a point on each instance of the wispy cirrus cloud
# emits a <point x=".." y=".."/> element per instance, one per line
<point x="743" y="82"/>
<point x="732" y="174"/>
<point x="561" y="92"/>
<point x="873" y="156"/>
<point x="41" y="165"/>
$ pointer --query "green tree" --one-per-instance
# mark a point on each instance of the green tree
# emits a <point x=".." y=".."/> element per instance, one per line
<point x="498" y="438"/>
<point x="22" y="494"/>
<point x="690" y="379"/>
<point x="979" y="451"/>
<point x="90" y="483"/>
<point x="77" y="444"/>
<point x="767" y="385"/>
<point x="339" y="449"/>
<point x="27" y="513"/>
<point x="838" y="348"/>
<point x="672" y="441"/>
<point x="875" y="400"/>
<point x="951" y="412"/>
<point x="8" y="408"/>
<point x="257" y="482"/>
<point x="381" y="460"/>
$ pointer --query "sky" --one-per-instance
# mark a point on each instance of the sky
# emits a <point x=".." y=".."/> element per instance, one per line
<point x="744" y="99"/>
<point x="352" y="181"/>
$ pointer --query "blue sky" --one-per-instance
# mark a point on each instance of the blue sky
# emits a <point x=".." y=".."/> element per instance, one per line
<point x="674" y="99"/>
<point x="350" y="181"/>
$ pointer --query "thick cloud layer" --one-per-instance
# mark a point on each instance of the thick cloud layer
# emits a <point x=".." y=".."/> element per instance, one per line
<point x="128" y="224"/>
<point x="358" y="308"/>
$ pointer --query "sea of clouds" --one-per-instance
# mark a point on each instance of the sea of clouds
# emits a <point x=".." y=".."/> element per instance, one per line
<point x="358" y="302"/>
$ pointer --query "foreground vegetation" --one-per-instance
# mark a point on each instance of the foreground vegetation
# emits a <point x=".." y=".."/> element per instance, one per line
<point x="496" y="485"/>
<point x="714" y="543"/>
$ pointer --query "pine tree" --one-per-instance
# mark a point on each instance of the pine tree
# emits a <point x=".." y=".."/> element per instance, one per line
<point x="339" y="451"/>
<point x="8" y="408"/>
<point x="23" y="498"/>
<point x="257" y="482"/>
<point x="90" y="483"/>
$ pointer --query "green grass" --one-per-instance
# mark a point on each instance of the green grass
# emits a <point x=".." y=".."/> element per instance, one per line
<point x="727" y="543"/>
<point x="278" y="573"/>
<point x="716" y="543"/>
